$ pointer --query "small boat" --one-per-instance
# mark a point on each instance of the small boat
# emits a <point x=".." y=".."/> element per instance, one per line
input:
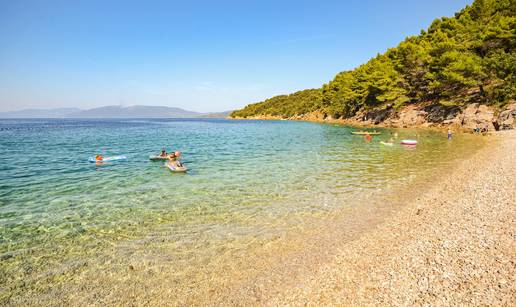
<point x="107" y="159"/>
<point x="176" y="168"/>
<point x="158" y="158"/>
<point x="409" y="142"/>
<point x="366" y="132"/>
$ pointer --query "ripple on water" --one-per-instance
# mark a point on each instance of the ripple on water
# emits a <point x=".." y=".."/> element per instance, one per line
<point x="251" y="184"/>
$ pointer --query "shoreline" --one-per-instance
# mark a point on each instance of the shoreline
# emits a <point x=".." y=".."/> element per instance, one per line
<point x="450" y="244"/>
<point x="440" y="240"/>
<point x="422" y="116"/>
<point x="354" y="124"/>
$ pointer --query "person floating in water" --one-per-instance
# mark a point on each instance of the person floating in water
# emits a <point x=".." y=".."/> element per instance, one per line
<point x="368" y="137"/>
<point x="449" y="134"/>
<point x="173" y="159"/>
<point x="99" y="160"/>
<point x="177" y="155"/>
<point x="393" y="136"/>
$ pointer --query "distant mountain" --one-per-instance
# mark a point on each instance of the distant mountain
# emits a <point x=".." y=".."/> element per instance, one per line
<point x="112" y="112"/>
<point x="217" y="114"/>
<point x="134" y="112"/>
<point x="39" y="113"/>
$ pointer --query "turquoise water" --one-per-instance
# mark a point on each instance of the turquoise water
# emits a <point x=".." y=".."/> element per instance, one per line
<point x="248" y="181"/>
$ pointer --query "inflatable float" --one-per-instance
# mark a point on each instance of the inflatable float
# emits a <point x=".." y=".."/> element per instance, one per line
<point x="107" y="159"/>
<point x="365" y="132"/>
<point x="387" y="143"/>
<point x="408" y="142"/>
<point x="175" y="168"/>
<point x="158" y="158"/>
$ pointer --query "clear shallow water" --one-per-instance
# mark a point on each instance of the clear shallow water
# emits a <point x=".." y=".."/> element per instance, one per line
<point x="249" y="181"/>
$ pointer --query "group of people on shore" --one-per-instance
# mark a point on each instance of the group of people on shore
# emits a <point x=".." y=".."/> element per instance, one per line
<point x="479" y="130"/>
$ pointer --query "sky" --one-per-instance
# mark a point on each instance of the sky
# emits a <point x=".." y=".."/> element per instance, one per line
<point x="204" y="56"/>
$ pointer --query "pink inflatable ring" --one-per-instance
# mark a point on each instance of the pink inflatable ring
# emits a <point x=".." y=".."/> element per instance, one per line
<point x="409" y="142"/>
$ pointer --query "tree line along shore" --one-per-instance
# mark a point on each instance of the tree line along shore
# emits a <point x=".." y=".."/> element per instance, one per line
<point x="460" y="73"/>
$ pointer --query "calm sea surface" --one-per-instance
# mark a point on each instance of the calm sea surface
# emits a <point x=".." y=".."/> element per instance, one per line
<point x="250" y="183"/>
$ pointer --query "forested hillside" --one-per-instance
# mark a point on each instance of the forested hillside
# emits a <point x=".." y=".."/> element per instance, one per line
<point x="285" y="105"/>
<point x="459" y="60"/>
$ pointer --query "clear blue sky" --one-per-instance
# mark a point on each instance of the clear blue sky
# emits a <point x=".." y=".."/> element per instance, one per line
<point x="198" y="55"/>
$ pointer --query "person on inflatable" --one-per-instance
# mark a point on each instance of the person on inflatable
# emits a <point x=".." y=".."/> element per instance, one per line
<point x="178" y="155"/>
<point x="163" y="153"/>
<point x="173" y="159"/>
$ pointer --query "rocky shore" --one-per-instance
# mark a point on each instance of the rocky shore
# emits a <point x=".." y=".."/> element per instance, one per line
<point x="467" y="118"/>
<point x="454" y="244"/>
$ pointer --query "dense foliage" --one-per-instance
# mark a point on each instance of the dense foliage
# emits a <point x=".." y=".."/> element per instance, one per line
<point x="467" y="58"/>
<point x="301" y="102"/>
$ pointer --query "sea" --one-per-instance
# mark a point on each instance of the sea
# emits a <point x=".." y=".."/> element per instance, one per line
<point x="255" y="195"/>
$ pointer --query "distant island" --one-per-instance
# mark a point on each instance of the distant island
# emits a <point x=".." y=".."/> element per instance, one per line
<point x="137" y="111"/>
<point x="459" y="73"/>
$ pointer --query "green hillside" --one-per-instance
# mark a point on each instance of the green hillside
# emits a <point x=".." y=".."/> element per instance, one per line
<point x="284" y="105"/>
<point x="459" y="60"/>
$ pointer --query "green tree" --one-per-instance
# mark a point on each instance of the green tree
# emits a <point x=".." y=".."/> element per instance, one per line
<point x="466" y="58"/>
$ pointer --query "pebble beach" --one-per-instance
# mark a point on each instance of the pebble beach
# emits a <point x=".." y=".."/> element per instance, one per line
<point x="454" y="244"/>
